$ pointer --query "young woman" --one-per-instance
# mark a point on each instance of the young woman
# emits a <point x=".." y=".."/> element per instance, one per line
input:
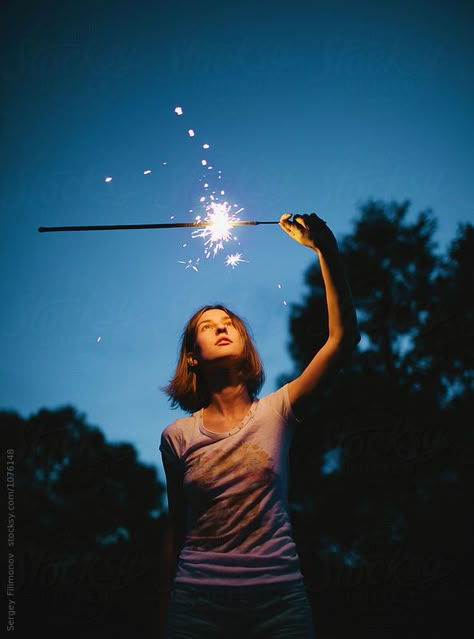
<point x="230" y="562"/>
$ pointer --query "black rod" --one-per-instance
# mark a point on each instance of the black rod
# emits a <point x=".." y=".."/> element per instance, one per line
<point x="119" y="227"/>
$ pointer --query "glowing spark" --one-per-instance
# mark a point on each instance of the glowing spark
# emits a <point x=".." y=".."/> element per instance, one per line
<point x="279" y="285"/>
<point x="284" y="302"/>
<point x="191" y="133"/>
<point x="220" y="218"/>
<point x="189" y="264"/>
<point x="204" y="162"/>
<point x="233" y="260"/>
<point x="205" y="146"/>
<point x="178" y="110"/>
<point x="99" y="338"/>
<point x="108" y="179"/>
<point x="147" y="172"/>
<point x="164" y="163"/>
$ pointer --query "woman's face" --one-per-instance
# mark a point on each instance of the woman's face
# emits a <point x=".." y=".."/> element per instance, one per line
<point x="217" y="338"/>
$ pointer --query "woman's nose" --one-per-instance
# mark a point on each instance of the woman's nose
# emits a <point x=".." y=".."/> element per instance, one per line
<point x="221" y="328"/>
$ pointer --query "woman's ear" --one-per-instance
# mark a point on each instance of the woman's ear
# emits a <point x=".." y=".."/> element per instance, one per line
<point x="192" y="361"/>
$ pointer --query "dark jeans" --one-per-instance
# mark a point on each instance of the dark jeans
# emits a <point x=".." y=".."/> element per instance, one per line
<point x="273" y="611"/>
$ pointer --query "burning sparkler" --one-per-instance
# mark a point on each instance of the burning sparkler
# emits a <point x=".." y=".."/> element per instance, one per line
<point x="221" y="219"/>
<point x="214" y="227"/>
<point x="174" y="225"/>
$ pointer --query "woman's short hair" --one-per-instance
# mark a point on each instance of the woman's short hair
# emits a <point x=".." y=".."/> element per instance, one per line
<point x="188" y="389"/>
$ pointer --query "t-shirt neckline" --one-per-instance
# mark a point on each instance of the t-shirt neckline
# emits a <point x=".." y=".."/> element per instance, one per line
<point x="224" y="435"/>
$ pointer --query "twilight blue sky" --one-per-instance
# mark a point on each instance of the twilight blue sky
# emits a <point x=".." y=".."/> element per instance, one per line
<point x="307" y="106"/>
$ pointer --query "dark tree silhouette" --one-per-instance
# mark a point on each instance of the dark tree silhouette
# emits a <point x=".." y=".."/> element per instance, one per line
<point x="381" y="472"/>
<point x="444" y="346"/>
<point x="88" y="525"/>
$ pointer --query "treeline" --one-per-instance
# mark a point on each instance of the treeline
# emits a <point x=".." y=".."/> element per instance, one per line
<point x="86" y="529"/>
<point x="382" y="472"/>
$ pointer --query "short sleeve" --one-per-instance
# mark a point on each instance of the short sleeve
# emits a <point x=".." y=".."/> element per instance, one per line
<point x="279" y="401"/>
<point x="169" y="448"/>
<point x="291" y="416"/>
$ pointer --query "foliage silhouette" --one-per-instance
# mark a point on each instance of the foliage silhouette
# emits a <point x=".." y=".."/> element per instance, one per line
<point x="386" y="525"/>
<point x="89" y="519"/>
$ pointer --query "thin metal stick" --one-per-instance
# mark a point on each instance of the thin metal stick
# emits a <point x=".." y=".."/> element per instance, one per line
<point x="119" y="227"/>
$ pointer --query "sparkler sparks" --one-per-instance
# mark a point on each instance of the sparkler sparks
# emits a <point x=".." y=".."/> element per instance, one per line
<point x="219" y="216"/>
<point x="189" y="264"/>
<point x="233" y="260"/>
<point x="284" y="301"/>
<point x="215" y="223"/>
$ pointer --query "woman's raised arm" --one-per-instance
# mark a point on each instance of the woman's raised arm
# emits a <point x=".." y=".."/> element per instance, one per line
<point x="312" y="231"/>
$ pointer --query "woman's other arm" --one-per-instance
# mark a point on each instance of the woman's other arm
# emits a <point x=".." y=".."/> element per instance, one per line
<point x="172" y="541"/>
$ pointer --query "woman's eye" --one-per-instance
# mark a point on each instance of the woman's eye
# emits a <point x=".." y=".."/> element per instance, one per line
<point x="206" y="326"/>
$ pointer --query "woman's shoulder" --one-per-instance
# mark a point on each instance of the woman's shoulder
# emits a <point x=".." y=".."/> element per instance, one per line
<point x="277" y="395"/>
<point x="278" y="401"/>
<point x="173" y="440"/>
<point x="178" y="425"/>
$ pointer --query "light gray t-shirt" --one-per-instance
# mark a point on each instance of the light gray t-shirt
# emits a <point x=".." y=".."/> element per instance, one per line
<point x="236" y="485"/>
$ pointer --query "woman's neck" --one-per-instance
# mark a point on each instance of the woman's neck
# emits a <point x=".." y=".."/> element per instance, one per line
<point x="228" y="400"/>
